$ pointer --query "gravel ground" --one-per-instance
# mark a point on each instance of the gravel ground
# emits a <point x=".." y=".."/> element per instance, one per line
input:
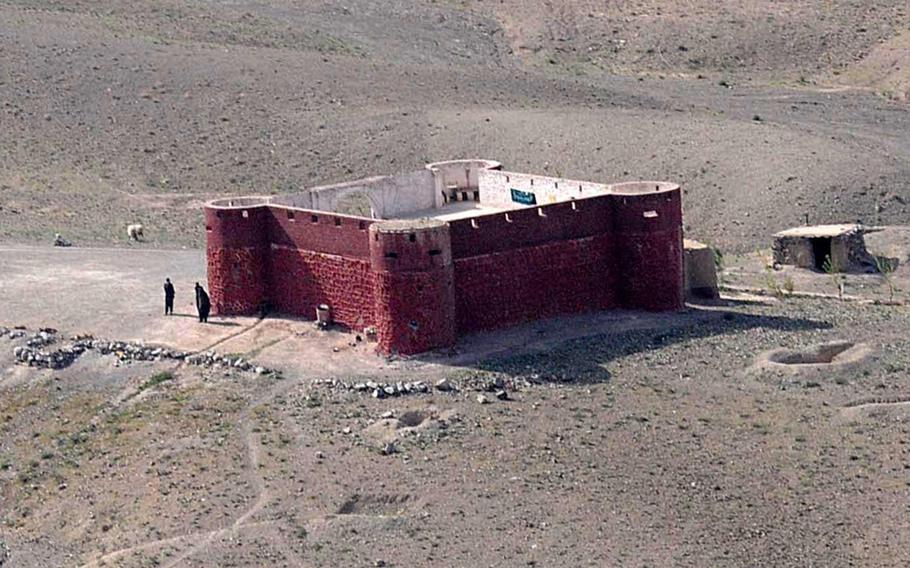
<point x="647" y="447"/>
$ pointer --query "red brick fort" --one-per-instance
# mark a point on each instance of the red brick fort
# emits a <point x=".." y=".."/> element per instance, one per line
<point x="458" y="247"/>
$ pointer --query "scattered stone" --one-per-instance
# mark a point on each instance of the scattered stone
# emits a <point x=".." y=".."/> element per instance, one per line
<point x="33" y="354"/>
<point x="444" y="385"/>
<point x="482" y="399"/>
<point x="377" y="390"/>
<point x="502" y="395"/>
<point x="389" y="449"/>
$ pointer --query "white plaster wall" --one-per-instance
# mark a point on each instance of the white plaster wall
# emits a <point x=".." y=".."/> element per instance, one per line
<point x="495" y="188"/>
<point x="389" y="196"/>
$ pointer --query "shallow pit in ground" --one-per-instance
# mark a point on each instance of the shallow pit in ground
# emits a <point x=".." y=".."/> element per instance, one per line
<point x="377" y="505"/>
<point x="833" y="353"/>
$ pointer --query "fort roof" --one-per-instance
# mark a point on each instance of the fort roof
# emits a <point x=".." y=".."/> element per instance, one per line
<point x="821" y="231"/>
<point x="449" y="190"/>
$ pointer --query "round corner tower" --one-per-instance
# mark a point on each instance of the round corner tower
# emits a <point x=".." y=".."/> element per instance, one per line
<point x="648" y="227"/>
<point x="237" y="254"/>
<point x="413" y="285"/>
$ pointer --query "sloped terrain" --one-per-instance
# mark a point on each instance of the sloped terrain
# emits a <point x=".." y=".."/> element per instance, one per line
<point x="121" y="113"/>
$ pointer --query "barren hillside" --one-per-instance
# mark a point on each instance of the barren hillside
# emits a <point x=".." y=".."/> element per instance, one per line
<point x="138" y="112"/>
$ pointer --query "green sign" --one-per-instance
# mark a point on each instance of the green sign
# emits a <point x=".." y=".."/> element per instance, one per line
<point x="524" y="197"/>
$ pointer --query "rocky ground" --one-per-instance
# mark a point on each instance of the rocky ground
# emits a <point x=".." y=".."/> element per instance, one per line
<point x="664" y="445"/>
<point x="603" y="440"/>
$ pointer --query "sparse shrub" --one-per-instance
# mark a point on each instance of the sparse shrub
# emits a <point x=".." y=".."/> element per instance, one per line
<point x="838" y="279"/>
<point x="772" y="284"/>
<point x="886" y="268"/>
<point x="789" y="286"/>
<point x="157" y="379"/>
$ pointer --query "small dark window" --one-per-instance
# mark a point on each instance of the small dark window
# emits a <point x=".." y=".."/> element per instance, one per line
<point x="412" y="237"/>
<point x="314" y="218"/>
<point x="532" y="182"/>
<point x="290" y="215"/>
<point x="208" y="228"/>
<point x="464" y="195"/>
<point x="445" y="198"/>
<point x="507" y="179"/>
<point x="337" y="221"/>
<point x="556" y="184"/>
<point x="362" y="226"/>
<point x="435" y="252"/>
<point x="391" y="255"/>
<point x="476" y="196"/>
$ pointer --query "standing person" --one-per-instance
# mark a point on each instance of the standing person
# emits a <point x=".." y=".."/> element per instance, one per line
<point x="203" y="305"/>
<point x="168" y="297"/>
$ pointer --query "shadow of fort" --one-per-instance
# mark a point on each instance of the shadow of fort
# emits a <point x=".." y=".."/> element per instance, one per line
<point x="584" y="359"/>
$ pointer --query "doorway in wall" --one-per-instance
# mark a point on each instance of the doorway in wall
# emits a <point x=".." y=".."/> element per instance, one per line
<point x="821" y="250"/>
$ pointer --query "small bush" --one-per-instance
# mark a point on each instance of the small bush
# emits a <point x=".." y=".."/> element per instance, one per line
<point x="157" y="379"/>
<point x="789" y="286"/>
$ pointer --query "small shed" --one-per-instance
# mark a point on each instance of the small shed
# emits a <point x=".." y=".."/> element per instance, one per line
<point x="811" y="247"/>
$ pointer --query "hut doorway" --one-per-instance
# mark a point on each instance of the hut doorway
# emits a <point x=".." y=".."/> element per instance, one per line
<point x="821" y="250"/>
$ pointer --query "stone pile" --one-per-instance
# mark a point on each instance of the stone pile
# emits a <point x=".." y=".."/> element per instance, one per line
<point x="31" y="353"/>
<point x="377" y="389"/>
<point x="42" y="338"/>
<point x="58" y="359"/>
<point x="127" y="352"/>
<point x="12" y="333"/>
<point x="387" y="390"/>
<point x="215" y="361"/>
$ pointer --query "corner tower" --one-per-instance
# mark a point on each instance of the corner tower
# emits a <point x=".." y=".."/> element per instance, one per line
<point x="647" y="222"/>
<point x="237" y="248"/>
<point x="413" y="285"/>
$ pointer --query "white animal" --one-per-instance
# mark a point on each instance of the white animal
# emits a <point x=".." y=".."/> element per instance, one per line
<point x="134" y="232"/>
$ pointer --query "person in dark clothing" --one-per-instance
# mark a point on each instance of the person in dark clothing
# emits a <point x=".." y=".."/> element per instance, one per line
<point x="168" y="297"/>
<point x="203" y="305"/>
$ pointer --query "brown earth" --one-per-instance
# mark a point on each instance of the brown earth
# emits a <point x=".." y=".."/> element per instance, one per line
<point x="120" y="113"/>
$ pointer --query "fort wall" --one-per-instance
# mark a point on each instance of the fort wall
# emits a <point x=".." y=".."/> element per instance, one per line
<point x="423" y="282"/>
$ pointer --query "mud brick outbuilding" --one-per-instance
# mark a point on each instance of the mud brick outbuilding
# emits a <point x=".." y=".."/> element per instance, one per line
<point x="458" y="247"/>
